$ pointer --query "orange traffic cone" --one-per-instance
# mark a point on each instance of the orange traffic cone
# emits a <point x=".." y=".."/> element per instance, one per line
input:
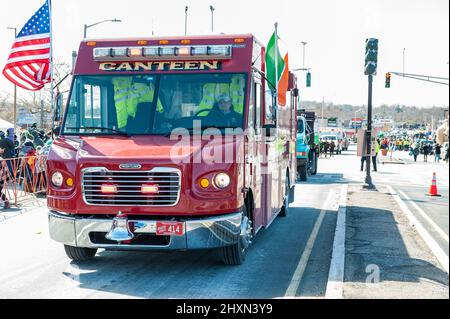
<point x="433" y="188"/>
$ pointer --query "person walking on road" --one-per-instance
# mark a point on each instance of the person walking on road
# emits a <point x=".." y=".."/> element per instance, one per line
<point x="426" y="152"/>
<point x="325" y="148"/>
<point x="415" y="151"/>
<point x="375" y="158"/>
<point x="363" y="160"/>
<point x="446" y="154"/>
<point x="437" y="153"/>
<point x="332" y="147"/>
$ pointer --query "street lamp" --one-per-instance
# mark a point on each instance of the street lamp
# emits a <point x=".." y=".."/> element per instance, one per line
<point x="212" y="18"/>
<point x="304" y="45"/>
<point x="185" y="19"/>
<point x="97" y="23"/>
<point x="404" y="49"/>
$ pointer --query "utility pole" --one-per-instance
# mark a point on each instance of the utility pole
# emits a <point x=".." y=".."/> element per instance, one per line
<point x="370" y="69"/>
<point x="74" y="60"/>
<point x="42" y="112"/>
<point x="369" y="136"/>
<point x="185" y="19"/>
<point x="212" y="18"/>
<point x="404" y="61"/>
<point x="323" y="104"/>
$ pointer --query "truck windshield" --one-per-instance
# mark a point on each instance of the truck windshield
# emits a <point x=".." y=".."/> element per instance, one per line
<point x="154" y="104"/>
<point x="301" y="127"/>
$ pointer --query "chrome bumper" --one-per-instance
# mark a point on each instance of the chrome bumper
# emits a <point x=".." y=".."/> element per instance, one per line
<point x="214" y="232"/>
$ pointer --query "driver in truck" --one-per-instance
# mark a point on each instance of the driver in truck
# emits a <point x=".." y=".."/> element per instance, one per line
<point x="224" y="108"/>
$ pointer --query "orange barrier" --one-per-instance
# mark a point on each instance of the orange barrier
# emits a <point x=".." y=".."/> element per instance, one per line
<point x="22" y="177"/>
<point x="433" y="188"/>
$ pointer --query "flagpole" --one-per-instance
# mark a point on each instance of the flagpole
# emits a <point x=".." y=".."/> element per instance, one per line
<point x="15" y="95"/>
<point x="276" y="73"/>
<point x="51" y="64"/>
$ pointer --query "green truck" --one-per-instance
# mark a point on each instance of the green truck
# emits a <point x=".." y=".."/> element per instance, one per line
<point x="307" y="145"/>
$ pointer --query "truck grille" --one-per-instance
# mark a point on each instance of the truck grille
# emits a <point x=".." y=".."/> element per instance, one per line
<point x="129" y="187"/>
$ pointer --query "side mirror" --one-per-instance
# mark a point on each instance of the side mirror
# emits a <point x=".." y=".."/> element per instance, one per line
<point x="271" y="102"/>
<point x="58" y="107"/>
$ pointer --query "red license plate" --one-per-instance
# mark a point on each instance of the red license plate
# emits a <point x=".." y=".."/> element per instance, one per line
<point x="169" y="229"/>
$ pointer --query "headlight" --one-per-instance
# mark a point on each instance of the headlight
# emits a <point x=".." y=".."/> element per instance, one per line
<point x="222" y="180"/>
<point x="57" y="179"/>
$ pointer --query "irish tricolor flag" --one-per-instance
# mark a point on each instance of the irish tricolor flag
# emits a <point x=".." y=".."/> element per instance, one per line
<point x="282" y="78"/>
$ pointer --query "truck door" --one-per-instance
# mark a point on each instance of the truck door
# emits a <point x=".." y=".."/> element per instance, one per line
<point x="273" y="152"/>
<point x="257" y="152"/>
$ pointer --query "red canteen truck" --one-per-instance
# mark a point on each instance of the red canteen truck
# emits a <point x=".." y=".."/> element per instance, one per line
<point x="170" y="144"/>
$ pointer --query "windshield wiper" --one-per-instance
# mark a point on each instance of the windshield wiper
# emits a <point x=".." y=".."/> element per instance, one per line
<point x="122" y="133"/>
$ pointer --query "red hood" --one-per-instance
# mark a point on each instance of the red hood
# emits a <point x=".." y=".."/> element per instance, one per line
<point x="148" y="147"/>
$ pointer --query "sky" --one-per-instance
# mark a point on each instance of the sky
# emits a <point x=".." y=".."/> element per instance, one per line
<point x="335" y="32"/>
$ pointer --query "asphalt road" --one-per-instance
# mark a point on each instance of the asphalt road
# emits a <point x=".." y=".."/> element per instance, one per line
<point x="289" y="259"/>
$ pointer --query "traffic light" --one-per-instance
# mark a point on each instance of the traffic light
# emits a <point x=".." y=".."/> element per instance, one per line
<point x="371" y="57"/>
<point x="308" y="79"/>
<point x="388" y="80"/>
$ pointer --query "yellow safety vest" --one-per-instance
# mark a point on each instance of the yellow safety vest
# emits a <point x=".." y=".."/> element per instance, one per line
<point x="127" y="96"/>
<point x="121" y="90"/>
<point x="208" y="99"/>
<point x="141" y="93"/>
<point x="237" y="93"/>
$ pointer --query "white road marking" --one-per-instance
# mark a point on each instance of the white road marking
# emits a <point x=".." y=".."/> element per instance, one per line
<point x="300" y="270"/>
<point x="431" y="243"/>
<point x="426" y="217"/>
<point x="335" y="285"/>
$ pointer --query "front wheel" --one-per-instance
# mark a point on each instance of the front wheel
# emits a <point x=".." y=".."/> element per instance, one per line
<point x="315" y="164"/>
<point x="303" y="171"/>
<point x="80" y="253"/>
<point x="287" y="191"/>
<point x="235" y="254"/>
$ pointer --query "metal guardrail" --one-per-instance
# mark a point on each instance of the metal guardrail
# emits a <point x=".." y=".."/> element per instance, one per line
<point x="23" y="176"/>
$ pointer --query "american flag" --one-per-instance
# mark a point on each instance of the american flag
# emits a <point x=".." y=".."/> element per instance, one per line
<point x="28" y="64"/>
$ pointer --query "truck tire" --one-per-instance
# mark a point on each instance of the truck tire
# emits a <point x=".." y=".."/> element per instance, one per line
<point x="285" y="209"/>
<point x="234" y="255"/>
<point x="80" y="253"/>
<point x="303" y="171"/>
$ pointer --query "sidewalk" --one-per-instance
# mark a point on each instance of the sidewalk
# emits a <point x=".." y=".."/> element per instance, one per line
<point x="24" y="206"/>
<point x="385" y="257"/>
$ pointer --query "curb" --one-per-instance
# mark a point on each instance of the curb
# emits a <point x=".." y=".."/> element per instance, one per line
<point x="335" y="284"/>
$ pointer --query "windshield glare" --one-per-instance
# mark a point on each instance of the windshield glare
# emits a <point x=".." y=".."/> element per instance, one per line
<point x="155" y="104"/>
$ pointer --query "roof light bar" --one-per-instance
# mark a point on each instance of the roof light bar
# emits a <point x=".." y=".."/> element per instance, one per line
<point x="119" y="52"/>
<point x="163" y="53"/>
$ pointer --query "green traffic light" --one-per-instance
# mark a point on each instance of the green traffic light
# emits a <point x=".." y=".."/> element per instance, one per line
<point x="308" y="80"/>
